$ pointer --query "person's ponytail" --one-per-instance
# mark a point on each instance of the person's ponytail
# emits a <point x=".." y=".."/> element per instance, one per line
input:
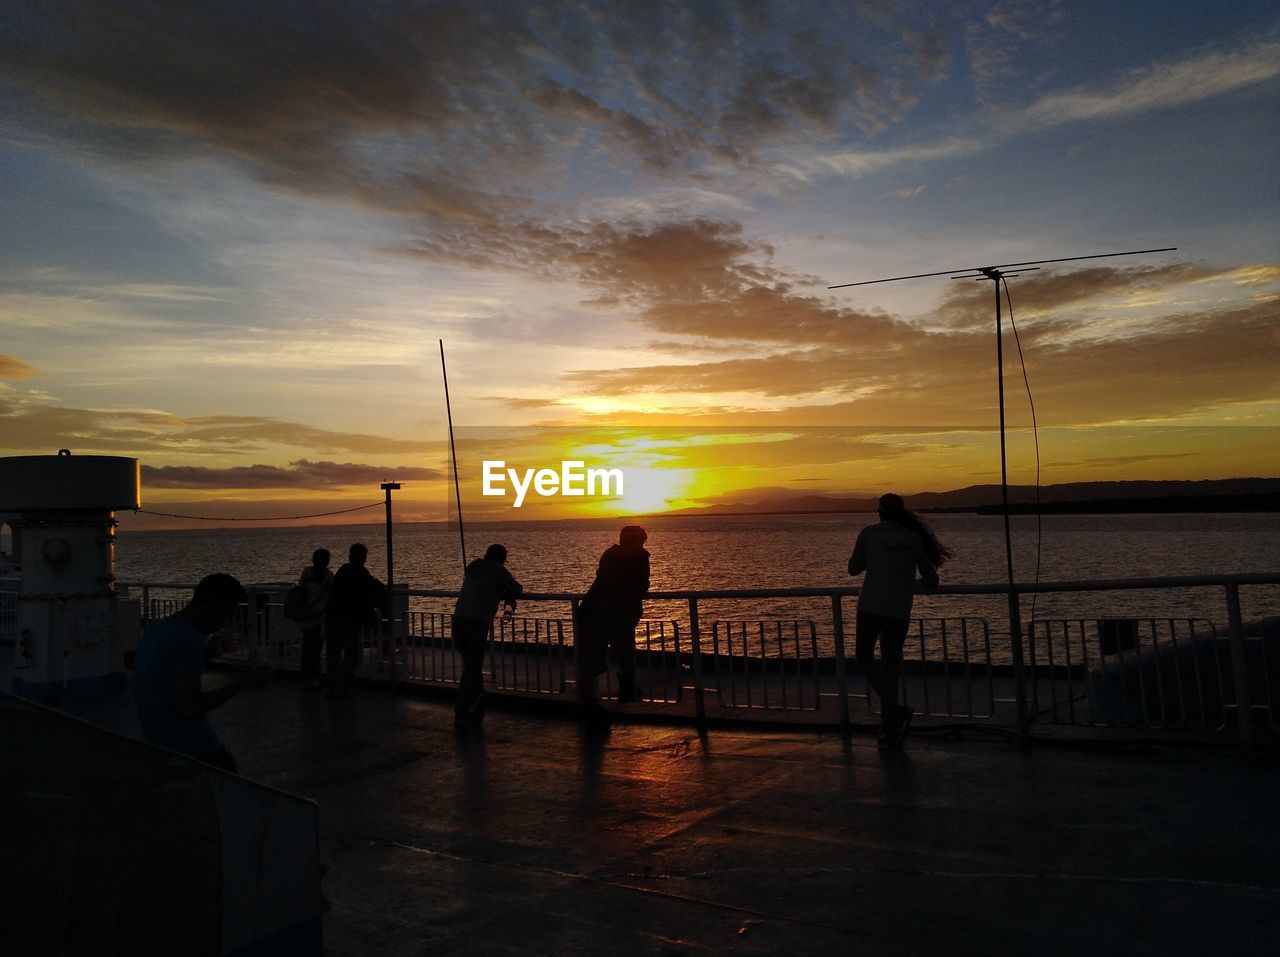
<point x="893" y="509"/>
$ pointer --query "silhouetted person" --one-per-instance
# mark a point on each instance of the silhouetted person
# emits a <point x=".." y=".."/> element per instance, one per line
<point x="169" y="668"/>
<point x="485" y="582"/>
<point x="355" y="602"/>
<point x="890" y="553"/>
<point x="317" y="580"/>
<point x="607" y="618"/>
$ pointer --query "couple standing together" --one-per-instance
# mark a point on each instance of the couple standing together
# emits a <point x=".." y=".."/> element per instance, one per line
<point x="338" y="607"/>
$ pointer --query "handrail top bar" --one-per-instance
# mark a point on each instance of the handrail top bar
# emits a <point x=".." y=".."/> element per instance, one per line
<point x="1090" y="584"/>
<point x="1094" y="584"/>
<point x="1251" y="578"/>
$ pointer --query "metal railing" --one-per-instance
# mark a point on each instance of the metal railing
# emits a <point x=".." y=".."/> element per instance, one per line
<point x="948" y="671"/>
<point x="1137" y="672"/>
<point x="528" y="655"/>
<point x="1164" y="673"/>
<point x="770" y="665"/>
<point x="8" y="615"/>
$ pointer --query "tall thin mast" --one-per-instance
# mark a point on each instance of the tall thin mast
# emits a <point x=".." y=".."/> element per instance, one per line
<point x="997" y="274"/>
<point x="453" y="453"/>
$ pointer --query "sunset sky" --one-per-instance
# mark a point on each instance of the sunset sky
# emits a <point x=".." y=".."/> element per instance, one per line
<point x="233" y="233"/>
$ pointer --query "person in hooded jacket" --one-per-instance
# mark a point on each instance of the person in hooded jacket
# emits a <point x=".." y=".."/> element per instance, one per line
<point x="485" y="583"/>
<point x="891" y="552"/>
<point x="607" y="618"/>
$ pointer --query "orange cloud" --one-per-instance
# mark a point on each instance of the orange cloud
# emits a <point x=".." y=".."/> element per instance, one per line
<point x="299" y="474"/>
<point x="948" y="377"/>
<point x="11" y="368"/>
<point x="28" y="425"/>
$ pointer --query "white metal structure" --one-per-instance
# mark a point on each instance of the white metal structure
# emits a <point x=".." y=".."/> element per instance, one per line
<point x="69" y="637"/>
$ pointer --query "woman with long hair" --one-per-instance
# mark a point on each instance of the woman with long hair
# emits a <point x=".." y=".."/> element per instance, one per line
<point x="890" y="552"/>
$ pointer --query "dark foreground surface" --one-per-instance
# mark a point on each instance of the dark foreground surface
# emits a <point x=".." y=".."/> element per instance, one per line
<point x="536" y="839"/>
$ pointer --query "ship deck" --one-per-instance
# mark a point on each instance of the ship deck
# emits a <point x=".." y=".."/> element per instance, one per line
<point x="658" y="839"/>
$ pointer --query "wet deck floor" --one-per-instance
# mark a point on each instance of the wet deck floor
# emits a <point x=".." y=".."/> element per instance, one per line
<point x="536" y="839"/>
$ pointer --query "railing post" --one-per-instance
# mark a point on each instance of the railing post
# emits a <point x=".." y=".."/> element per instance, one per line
<point x="695" y="639"/>
<point x="1019" y="664"/>
<point x="577" y="678"/>
<point x="842" y="682"/>
<point x="252" y="626"/>
<point x="1239" y="667"/>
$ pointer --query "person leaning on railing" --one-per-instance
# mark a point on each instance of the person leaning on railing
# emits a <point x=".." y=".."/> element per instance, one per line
<point x="606" y="621"/>
<point x="890" y="553"/>
<point x="485" y="583"/>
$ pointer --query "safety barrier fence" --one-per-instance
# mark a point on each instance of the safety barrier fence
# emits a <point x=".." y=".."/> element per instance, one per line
<point x="1151" y="672"/>
<point x="8" y="614"/>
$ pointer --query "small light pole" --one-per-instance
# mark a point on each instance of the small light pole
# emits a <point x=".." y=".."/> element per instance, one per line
<point x="389" y="487"/>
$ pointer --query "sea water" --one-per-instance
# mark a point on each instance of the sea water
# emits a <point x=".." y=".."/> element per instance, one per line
<point x="775" y="551"/>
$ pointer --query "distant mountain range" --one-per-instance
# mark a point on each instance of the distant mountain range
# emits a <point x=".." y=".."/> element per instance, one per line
<point x="1210" y="495"/>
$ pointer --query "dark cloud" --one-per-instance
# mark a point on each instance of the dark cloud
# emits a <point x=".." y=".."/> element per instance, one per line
<point x="997" y="40"/>
<point x="518" y="403"/>
<point x="699" y="278"/>
<point x="1040" y="293"/>
<point x="301" y="474"/>
<point x="11" y="368"/>
<point x="1108" y="461"/>
<point x="442" y="113"/>
<point x="407" y="106"/>
<point x="947" y="378"/>
<point x="929" y="51"/>
<point x="34" y="424"/>
<point x="700" y="347"/>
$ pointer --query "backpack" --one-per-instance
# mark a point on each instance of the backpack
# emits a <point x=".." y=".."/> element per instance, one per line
<point x="297" y="603"/>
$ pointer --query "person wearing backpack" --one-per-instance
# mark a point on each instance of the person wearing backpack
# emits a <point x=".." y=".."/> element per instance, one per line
<point x="315" y="582"/>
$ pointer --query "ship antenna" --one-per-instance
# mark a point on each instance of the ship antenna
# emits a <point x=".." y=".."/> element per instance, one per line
<point x="453" y="454"/>
<point x="996" y="274"/>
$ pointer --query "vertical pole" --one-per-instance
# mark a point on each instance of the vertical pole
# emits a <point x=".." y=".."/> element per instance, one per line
<point x="453" y="452"/>
<point x="387" y="644"/>
<point x="1239" y="668"/>
<point x="842" y="677"/>
<point x="387" y="487"/>
<point x="1015" y="615"/>
<point x="255" y="627"/>
<point x="695" y="638"/>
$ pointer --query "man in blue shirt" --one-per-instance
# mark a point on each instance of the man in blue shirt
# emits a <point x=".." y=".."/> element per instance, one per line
<point x="168" y="670"/>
